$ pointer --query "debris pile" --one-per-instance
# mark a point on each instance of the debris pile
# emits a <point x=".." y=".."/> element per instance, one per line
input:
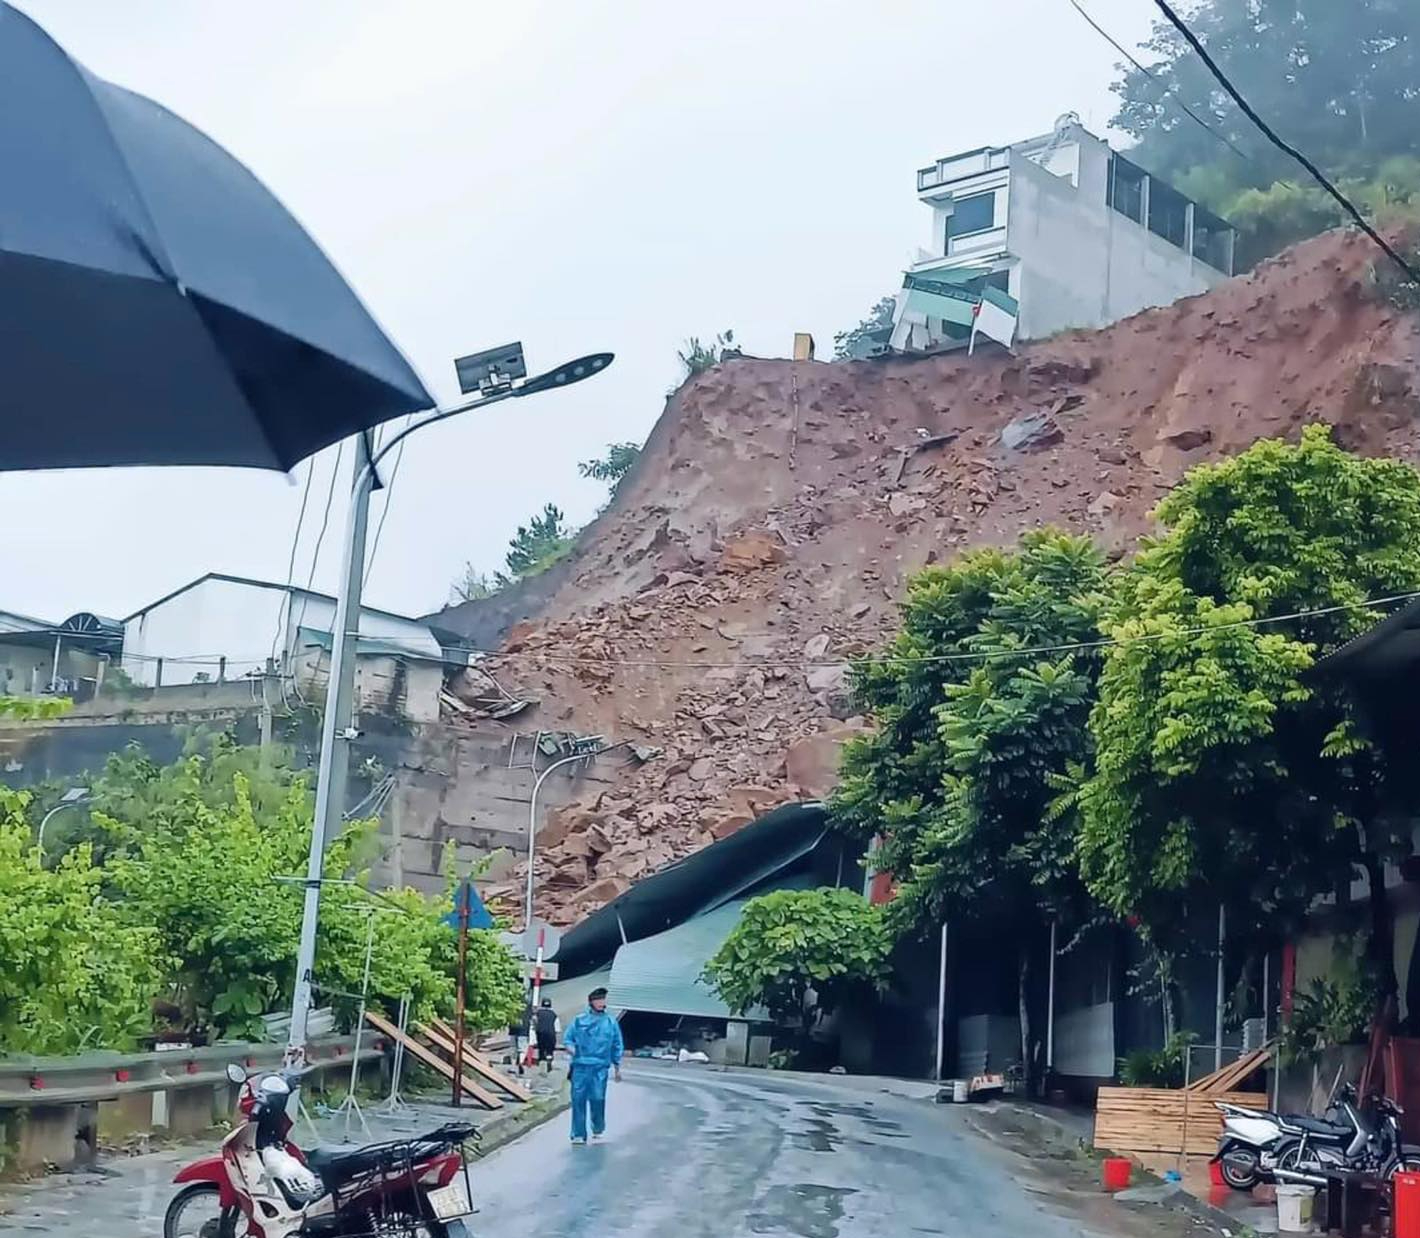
<point x="779" y="508"/>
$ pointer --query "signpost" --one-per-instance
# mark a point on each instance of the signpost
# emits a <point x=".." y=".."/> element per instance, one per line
<point x="469" y="912"/>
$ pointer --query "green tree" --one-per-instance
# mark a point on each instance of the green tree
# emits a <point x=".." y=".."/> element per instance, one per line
<point x="975" y="736"/>
<point x="613" y="467"/>
<point x="537" y="545"/>
<point x="698" y="357"/>
<point x="75" y="972"/>
<point x="471" y="585"/>
<point x="788" y="944"/>
<point x="846" y="343"/>
<point x="1224" y="773"/>
<point x="1336" y="80"/>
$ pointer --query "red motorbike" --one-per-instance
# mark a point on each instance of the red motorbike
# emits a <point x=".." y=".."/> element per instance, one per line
<point x="262" y="1185"/>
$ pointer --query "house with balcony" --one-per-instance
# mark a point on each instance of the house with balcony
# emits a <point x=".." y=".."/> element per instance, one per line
<point x="1063" y="231"/>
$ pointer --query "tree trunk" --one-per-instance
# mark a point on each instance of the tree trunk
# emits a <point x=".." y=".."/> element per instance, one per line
<point x="1023" y="996"/>
<point x="1381" y="948"/>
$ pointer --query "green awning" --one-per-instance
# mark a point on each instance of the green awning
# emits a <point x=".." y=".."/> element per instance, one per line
<point x="662" y="974"/>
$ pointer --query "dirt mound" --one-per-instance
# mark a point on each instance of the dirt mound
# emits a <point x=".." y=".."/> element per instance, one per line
<point x="779" y="506"/>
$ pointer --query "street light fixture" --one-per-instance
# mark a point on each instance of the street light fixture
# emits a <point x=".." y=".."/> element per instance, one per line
<point x="336" y="730"/>
<point x="70" y="798"/>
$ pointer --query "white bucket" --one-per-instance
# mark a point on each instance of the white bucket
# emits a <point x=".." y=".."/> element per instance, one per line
<point x="961" y="1092"/>
<point x="1294" y="1208"/>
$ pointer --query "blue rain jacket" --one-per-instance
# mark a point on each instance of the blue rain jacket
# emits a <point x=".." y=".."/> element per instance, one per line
<point x="595" y="1040"/>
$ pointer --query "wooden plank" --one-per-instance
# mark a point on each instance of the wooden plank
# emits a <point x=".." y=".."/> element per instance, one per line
<point x="1147" y="1120"/>
<point x="432" y="1060"/>
<point x="479" y="1063"/>
<point x="1232" y="1074"/>
<point x="444" y="1029"/>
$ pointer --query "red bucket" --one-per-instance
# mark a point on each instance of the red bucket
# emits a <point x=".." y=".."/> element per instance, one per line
<point x="1117" y="1172"/>
<point x="1407" y="1205"/>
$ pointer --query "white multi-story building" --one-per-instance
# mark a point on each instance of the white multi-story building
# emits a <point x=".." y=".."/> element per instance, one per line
<point x="225" y="628"/>
<point x="1071" y="231"/>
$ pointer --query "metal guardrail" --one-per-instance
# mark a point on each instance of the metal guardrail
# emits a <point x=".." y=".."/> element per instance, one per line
<point x="26" y="1082"/>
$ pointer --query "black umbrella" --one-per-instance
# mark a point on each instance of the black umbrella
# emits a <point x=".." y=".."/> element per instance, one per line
<point x="157" y="304"/>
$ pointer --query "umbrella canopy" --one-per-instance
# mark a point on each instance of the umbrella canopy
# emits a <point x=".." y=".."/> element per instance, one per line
<point x="157" y="304"/>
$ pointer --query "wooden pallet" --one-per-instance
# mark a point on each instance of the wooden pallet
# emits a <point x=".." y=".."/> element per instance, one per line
<point x="474" y="1060"/>
<point x="432" y="1060"/>
<point x="1151" y="1120"/>
<point x="1234" y="1073"/>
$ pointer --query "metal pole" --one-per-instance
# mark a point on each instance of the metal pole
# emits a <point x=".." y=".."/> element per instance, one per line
<point x="54" y="670"/>
<point x="1050" y="1007"/>
<point x="942" y="1005"/>
<point x="463" y="897"/>
<point x="335" y="743"/>
<point x="1266" y="986"/>
<point x="328" y="809"/>
<point x="1218" y="1009"/>
<point x="532" y="820"/>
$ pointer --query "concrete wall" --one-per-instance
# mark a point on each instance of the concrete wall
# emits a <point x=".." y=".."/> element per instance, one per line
<point x="24" y="669"/>
<point x="1082" y="263"/>
<point x="400" y="687"/>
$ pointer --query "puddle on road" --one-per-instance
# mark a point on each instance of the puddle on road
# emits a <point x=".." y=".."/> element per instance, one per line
<point x="804" y="1210"/>
<point x="820" y="1136"/>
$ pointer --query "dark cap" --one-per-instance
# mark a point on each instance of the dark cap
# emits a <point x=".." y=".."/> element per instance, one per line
<point x="596" y="994"/>
<point x="547" y="1002"/>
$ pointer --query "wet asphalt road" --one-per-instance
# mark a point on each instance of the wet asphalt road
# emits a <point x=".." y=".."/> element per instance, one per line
<point x="693" y="1153"/>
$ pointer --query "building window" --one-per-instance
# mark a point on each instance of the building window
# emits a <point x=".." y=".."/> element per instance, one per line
<point x="1126" y="188"/>
<point x="1212" y="240"/>
<point x="1168" y="214"/>
<point x="974" y="214"/>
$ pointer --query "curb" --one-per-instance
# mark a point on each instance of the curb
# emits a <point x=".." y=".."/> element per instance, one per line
<point x="528" y="1118"/>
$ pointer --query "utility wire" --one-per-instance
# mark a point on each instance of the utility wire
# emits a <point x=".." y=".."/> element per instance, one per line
<point x="981" y="656"/>
<point x="320" y="537"/>
<point x="389" y="498"/>
<point x="1270" y="134"/>
<point x="1167" y="91"/>
<point x="295" y="546"/>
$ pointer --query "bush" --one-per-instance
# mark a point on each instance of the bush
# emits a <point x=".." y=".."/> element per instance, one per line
<point x="1157" y="1068"/>
<point x="75" y="972"/>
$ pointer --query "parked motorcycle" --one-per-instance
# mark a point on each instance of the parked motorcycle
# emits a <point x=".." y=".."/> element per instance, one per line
<point x="1258" y="1145"/>
<point x="262" y="1185"/>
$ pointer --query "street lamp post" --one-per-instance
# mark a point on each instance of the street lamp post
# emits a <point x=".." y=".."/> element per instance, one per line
<point x="70" y="799"/>
<point x="532" y="820"/>
<point x="337" y="733"/>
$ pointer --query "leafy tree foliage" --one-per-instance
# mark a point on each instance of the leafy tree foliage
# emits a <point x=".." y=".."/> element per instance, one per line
<point x="973" y="735"/>
<point x="1224" y="772"/>
<point x="832" y="942"/>
<point x="698" y="357"/>
<point x="75" y="972"/>
<point x="471" y="585"/>
<point x="537" y="545"/>
<point x="878" y="319"/>
<point x="1336" y="80"/>
<point x="613" y="467"/>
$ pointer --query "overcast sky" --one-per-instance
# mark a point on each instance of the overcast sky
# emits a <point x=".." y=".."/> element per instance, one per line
<point x="578" y="175"/>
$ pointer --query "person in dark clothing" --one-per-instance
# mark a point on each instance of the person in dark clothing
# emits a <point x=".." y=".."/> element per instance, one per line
<point x="518" y="1032"/>
<point x="547" y="1027"/>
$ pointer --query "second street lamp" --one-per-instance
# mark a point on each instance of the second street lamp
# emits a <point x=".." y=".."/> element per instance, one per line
<point x="336" y="730"/>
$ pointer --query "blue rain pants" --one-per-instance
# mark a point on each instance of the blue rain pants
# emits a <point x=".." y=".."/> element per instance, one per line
<point x="588" y="1092"/>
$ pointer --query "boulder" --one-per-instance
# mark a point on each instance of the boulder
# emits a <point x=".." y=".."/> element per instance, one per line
<point x="752" y="549"/>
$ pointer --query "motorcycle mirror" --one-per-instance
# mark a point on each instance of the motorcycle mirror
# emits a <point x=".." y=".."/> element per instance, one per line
<point x="236" y="1073"/>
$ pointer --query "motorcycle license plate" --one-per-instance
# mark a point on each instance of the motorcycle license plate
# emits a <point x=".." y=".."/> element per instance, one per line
<point x="450" y="1201"/>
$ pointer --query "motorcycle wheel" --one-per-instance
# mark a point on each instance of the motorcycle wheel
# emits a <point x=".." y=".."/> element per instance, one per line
<point x="1238" y="1166"/>
<point x="196" y="1212"/>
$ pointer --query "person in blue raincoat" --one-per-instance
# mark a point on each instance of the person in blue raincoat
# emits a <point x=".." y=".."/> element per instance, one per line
<point x="594" y="1041"/>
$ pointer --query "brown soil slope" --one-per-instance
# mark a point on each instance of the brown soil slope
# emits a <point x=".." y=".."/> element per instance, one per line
<point x="779" y="506"/>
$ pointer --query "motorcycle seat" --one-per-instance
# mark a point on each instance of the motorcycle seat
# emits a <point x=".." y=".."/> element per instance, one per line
<point x="1318" y="1126"/>
<point x="336" y="1167"/>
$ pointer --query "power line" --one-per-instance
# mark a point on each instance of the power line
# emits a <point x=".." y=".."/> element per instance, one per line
<point x="914" y="659"/>
<point x="1167" y="90"/>
<point x="320" y="537"/>
<point x="389" y="498"/>
<point x="295" y="546"/>
<point x="1267" y="131"/>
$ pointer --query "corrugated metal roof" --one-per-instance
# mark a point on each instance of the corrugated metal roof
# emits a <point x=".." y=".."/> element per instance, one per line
<point x="569" y="997"/>
<point x="662" y="974"/>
